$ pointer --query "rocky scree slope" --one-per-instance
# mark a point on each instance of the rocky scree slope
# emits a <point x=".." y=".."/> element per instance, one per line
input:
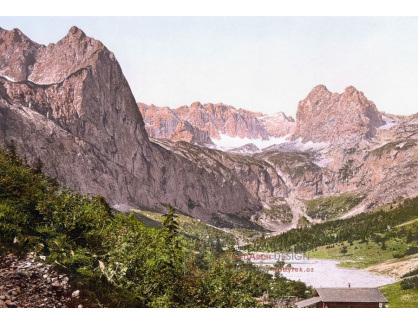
<point x="27" y="283"/>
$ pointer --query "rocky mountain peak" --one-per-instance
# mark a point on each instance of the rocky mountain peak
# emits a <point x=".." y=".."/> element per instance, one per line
<point x="196" y="105"/>
<point x="21" y="59"/>
<point x="324" y="116"/>
<point x="79" y="79"/>
<point x="318" y="93"/>
<point x="18" y="36"/>
<point x="351" y="89"/>
<point x="319" y="88"/>
<point x="354" y="95"/>
<point x="14" y="36"/>
<point x="76" y="32"/>
<point x="17" y="54"/>
<point x="72" y="53"/>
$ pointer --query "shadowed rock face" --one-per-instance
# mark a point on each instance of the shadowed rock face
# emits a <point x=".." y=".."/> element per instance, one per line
<point x="73" y="108"/>
<point x="324" y="116"/>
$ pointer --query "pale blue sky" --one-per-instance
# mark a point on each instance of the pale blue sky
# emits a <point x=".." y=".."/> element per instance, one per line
<point x="256" y="63"/>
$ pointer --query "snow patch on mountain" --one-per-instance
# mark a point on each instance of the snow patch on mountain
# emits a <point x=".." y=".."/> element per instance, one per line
<point x="322" y="163"/>
<point x="6" y="77"/>
<point x="226" y="142"/>
<point x="298" y="145"/>
<point x="389" y="122"/>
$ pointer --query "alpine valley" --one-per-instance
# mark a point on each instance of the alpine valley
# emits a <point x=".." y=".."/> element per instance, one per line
<point x="69" y="105"/>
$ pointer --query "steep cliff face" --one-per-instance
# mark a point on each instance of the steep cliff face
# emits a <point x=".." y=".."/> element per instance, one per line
<point x="78" y="84"/>
<point x="259" y="177"/>
<point x="324" y="116"/>
<point x="76" y="88"/>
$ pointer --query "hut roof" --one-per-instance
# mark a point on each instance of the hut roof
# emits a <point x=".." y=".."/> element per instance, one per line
<point x="363" y="295"/>
<point x="308" y="302"/>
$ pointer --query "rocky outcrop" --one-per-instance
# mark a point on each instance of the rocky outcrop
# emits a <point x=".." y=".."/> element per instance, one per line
<point x="202" y="123"/>
<point x="160" y="122"/>
<point x="26" y="282"/>
<point x="17" y="54"/>
<point x="73" y="108"/>
<point x="219" y="119"/>
<point x="186" y="132"/>
<point x="324" y="116"/>
<point x="300" y="174"/>
<point x="278" y="124"/>
<point x="163" y="123"/>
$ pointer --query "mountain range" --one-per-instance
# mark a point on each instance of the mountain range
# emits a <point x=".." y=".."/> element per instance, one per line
<point x="70" y="105"/>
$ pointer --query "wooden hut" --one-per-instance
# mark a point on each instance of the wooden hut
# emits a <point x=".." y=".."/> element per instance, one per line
<point x="345" y="298"/>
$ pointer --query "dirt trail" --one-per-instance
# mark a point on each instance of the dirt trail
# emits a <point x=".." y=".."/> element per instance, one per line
<point x="353" y="212"/>
<point x="395" y="267"/>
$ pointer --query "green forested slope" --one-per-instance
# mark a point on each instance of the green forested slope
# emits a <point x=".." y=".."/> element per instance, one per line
<point x="378" y="226"/>
<point x="113" y="258"/>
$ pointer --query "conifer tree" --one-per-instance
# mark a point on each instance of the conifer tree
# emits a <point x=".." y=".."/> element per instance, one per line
<point x="38" y="166"/>
<point x="170" y="223"/>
